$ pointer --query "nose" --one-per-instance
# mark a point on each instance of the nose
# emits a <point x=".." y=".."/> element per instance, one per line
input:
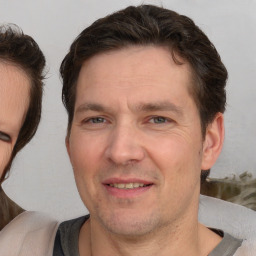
<point x="124" y="146"/>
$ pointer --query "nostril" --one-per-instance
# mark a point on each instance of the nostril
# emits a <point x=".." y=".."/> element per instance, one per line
<point x="125" y="156"/>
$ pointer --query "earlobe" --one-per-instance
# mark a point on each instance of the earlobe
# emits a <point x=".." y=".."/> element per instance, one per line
<point x="213" y="142"/>
<point x="67" y="145"/>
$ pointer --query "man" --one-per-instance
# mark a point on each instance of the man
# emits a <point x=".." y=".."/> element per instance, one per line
<point x="145" y="93"/>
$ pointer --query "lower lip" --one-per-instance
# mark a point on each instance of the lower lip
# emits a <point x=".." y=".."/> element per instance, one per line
<point x="127" y="193"/>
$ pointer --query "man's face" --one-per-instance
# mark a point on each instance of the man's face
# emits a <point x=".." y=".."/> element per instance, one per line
<point x="135" y="143"/>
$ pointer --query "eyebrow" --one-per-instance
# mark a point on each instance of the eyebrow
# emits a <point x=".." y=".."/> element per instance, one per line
<point x="141" y="107"/>
<point x="92" y="107"/>
<point x="159" y="106"/>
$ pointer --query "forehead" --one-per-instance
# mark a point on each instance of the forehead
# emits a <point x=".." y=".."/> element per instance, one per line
<point x="14" y="96"/>
<point x="133" y="71"/>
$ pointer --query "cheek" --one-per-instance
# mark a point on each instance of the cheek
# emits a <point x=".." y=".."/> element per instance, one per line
<point x="85" y="158"/>
<point x="5" y="155"/>
<point x="84" y="152"/>
<point x="178" y="159"/>
<point x="174" y="149"/>
<point x="86" y="155"/>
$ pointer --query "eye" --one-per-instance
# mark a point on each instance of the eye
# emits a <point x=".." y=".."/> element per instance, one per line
<point x="159" y="120"/>
<point x="96" y="120"/>
<point x="5" y="137"/>
<point x="94" y="123"/>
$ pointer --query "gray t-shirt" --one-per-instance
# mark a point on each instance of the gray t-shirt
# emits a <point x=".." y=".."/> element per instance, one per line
<point x="66" y="240"/>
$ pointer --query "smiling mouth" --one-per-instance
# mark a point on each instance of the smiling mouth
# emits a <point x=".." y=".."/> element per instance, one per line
<point x="128" y="185"/>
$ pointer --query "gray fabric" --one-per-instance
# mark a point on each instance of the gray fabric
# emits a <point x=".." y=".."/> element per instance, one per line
<point x="66" y="242"/>
<point x="68" y="233"/>
<point x="227" y="247"/>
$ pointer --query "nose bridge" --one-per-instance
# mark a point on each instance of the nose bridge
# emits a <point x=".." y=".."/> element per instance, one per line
<point x="124" y="144"/>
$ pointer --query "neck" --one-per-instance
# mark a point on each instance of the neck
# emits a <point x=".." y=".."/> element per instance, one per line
<point x="170" y="240"/>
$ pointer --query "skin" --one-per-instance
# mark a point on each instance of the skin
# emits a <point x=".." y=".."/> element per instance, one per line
<point x="135" y="122"/>
<point x="14" y="95"/>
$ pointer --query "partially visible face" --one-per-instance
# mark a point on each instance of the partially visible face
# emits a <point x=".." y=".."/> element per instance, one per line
<point x="135" y="143"/>
<point x="14" y="98"/>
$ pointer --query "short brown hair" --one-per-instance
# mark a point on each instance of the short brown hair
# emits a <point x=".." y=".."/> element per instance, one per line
<point x="21" y="50"/>
<point x="151" y="25"/>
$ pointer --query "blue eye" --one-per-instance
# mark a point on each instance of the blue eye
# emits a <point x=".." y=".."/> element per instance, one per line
<point x="158" y="120"/>
<point x="96" y="120"/>
<point x="5" y="137"/>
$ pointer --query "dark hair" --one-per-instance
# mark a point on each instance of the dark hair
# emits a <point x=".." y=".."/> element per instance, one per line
<point x="21" y="50"/>
<point x="151" y="25"/>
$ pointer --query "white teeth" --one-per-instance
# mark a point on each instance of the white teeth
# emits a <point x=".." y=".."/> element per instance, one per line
<point x="127" y="185"/>
<point x="119" y="185"/>
<point x="136" y="185"/>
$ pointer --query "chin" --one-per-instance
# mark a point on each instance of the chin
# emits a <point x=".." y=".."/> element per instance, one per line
<point x="129" y="224"/>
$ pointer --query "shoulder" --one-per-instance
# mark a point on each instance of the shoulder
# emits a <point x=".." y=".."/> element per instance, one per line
<point x="234" y="219"/>
<point x="73" y="223"/>
<point x="33" y="234"/>
<point x="66" y="240"/>
<point x="247" y="248"/>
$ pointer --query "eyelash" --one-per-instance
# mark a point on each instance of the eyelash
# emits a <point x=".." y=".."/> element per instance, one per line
<point x="5" y="137"/>
<point x="92" y="119"/>
<point x="164" y="119"/>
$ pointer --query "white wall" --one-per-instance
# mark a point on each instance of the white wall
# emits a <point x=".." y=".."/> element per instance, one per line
<point x="41" y="177"/>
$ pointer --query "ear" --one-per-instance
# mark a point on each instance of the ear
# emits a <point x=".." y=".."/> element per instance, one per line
<point x="213" y="142"/>
<point x="67" y="145"/>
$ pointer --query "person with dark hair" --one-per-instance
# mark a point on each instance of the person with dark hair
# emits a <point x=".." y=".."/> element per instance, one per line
<point x="22" y="72"/>
<point x="21" y="67"/>
<point x="144" y="89"/>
